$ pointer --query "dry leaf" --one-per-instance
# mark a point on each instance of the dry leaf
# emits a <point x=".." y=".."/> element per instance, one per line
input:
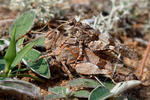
<point x="89" y="69"/>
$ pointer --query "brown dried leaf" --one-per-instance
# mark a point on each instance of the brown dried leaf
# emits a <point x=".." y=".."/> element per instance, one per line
<point x="89" y="69"/>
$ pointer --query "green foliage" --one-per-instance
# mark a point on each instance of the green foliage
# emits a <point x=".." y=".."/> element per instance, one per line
<point x="23" y="24"/>
<point x="103" y="93"/>
<point x="40" y="66"/>
<point x="2" y="64"/>
<point x="60" y="90"/>
<point x="41" y="41"/>
<point x="108" y="84"/>
<point x="23" y="52"/>
<point x="19" y="70"/>
<point x="66" y="93"/>
<point x="11" y="52"/>
<point x="12" y="58"/>
<point x="83" y="83"/>
<point x="2" y="42"/>
<point x="100" y="93"/>
<point x="53" y="97"/>
<point x="82" y="94"/>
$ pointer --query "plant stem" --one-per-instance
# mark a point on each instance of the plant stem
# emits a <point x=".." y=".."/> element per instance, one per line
<point x="2" y="75"/>
<point x="144" y="59"/>
<point x="33" y="77"/>
<point x="7" y="67"/>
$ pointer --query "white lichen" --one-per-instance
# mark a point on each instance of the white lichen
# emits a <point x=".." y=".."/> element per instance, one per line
<point x="105" y="24"/>
<point x="44" y="9"/>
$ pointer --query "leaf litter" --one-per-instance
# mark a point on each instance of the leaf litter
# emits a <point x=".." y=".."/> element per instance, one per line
<point x="76" y="48"/>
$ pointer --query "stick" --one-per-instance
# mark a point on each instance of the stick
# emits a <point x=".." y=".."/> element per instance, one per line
<point x="144" y="59"/>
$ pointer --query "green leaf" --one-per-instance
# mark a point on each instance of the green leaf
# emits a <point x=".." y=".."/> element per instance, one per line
<point x="20" y="70"/>
<point x="106" y="82"/>
<point x="53" y="96"/>
<point x="60" y="90"/>
<point x="2" y="42"/>
<point x="83" y="83"/>
<point x="11" y="52"/>
<point x="2" y="77"/>
<point x="100" y="93"/>
<point x="41" y="41"/>
<point x="81" y="94"/>
<point x="22" y="53"/>
<point x="23" y="24"/>
<point x="20" y="89"/>
<point x="40" y="66"/>
<point x="2" y="63"/>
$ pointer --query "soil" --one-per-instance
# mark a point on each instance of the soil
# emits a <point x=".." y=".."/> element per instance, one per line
<point x="58" y="75"/>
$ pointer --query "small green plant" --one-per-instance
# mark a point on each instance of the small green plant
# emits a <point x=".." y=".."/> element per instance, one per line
<point x="107" y="90"/>
<point x="103" y="93"/>
<point x="13" y="58"/>
<point x="82" y="87"/>
<point x="64" y="92"/>
<point x="17" y="53"/>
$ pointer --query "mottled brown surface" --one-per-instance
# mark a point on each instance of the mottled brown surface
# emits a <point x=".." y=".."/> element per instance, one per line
<point x="67" y="42"/>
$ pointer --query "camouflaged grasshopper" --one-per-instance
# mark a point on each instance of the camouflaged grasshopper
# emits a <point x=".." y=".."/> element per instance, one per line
<point x="80" y="47"/>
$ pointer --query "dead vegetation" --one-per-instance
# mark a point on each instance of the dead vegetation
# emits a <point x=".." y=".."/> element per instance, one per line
<point x="87" y="38"/>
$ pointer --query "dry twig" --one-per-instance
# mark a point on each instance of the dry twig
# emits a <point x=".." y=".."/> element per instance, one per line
<point x="144" y="60"/>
